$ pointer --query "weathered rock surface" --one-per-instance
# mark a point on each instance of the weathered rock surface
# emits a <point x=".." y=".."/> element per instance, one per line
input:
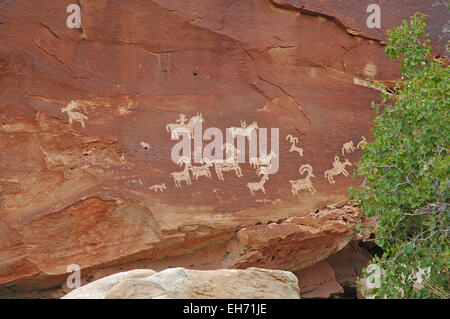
<point x="351" y="16"/>
<point x="180" y="283"/>
<point x="99" y="288"/>
<point x="335" y="276"/>
<point x="83" y="137"/>
<point x="319" y="281"/>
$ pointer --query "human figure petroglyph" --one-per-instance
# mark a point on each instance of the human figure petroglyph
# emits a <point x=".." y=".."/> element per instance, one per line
<point x="303" y="183"/>
<point x="158" y="187"/>
<point x="362" y="144"/>
<point x="258" y="186"/>
<point x="184" y="175"/>
<point x="203" y="170"/>
<point x="338" y="168"/>
<point x="181" y="127"/>
<point x="294" y="148"/>
<point x="74" y="114"/>
<point x="244" y="130"/>
<point x="348" y="148"/>
<point x="180" y="122"/>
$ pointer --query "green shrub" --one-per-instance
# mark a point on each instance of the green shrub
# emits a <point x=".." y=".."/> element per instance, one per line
<point x="405" y="171"/>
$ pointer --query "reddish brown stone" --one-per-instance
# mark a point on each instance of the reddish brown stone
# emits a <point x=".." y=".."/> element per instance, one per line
<point x="75" y="189"/>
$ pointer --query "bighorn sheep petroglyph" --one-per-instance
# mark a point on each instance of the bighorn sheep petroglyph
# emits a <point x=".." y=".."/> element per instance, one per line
<point x="74" y="115"/>
<point x="294" y="148"/>
<point x="258" y="186"/>
<point x="303" y="183"/>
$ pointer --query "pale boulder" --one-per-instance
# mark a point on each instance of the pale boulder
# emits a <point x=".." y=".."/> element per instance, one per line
<point x="181" y="283"/>
<point x="98" y="288"/>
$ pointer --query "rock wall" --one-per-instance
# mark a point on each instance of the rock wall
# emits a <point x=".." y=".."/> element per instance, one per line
<point x="85" y="162"/>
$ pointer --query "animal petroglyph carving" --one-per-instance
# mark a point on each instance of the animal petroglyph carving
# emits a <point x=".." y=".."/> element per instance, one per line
<point x="225" y="166"/>
<point x="264" y="160"/>
<point x="268" y="201"/>
<point x="145" y="146"/>
<point x="258" y="186"/>
<point x="180" y="126"/>
<point x="221" y="200"/>
<point x="294" y="148"/>
<point x="203" y="170"/>
<point x="338" y="168"/>
<point x="178" y="177"/>
<point x="303" y="183"/>
<point x="228" y="164"/>
<point x="348" y="148"/>
<point x="158" y="187"/>
<point x="362" y="144"/>
<point x="134" y="181"/>
<point x="264" y="201"/>
<point x="244" y="130"/>
<point x="74" y="114"/>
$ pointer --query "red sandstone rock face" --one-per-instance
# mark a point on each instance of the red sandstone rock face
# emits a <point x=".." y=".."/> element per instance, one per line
<point x="329" y="277"/>
<point x="83" y="136"/>
<point x="352" y="16"/>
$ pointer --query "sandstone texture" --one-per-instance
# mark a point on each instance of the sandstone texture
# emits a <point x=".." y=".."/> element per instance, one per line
<point x="180" y="283"/>
<point x="336" y="276"/>
<point x="85" y="146"/>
